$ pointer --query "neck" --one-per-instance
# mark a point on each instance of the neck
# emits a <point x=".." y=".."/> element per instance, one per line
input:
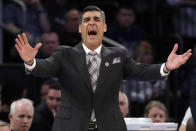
<point x="92" y="47"/>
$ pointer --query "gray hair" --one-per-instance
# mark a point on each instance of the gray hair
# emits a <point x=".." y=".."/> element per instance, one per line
<point x="23" y="101"/>
<point x="92" y="8"/>
<point x="125" y="96"/>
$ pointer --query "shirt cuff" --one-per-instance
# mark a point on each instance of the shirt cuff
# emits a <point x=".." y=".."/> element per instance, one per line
<point x="30" y="68"/>
<point x="162" y="72"/>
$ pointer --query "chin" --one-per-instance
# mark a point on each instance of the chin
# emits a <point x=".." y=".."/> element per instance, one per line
<point x="93" y="42"/>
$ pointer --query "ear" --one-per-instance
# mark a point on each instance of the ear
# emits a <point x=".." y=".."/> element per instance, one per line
<point x="79" y="28"/>
<point x="105" y="28"/>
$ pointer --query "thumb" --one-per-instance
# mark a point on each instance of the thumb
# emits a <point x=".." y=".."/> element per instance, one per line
<point x="175" y="48"/>
<point x="38" y="46"/>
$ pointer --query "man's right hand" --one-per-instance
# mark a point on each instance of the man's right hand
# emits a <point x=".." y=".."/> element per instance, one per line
<point x="27" y="53"/>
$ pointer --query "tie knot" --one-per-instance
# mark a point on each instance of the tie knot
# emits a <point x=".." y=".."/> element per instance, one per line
<point x="92" y="53"/>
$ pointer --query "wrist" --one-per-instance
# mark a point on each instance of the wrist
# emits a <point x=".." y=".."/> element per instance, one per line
<point x="29" y="62"/>
<point x="166" y="67"/>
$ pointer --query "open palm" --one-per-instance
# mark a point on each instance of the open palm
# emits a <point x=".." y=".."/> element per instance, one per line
<point x="174" y="61"/>
<point x="27" y="53"/>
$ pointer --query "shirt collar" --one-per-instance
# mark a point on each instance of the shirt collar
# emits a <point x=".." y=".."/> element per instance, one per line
<point x="98" y="50"/>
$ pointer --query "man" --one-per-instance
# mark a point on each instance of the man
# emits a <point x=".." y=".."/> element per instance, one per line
<point x="50" y="41"/>
<point x="190" y="125"/>
<point x="26" y="15"/>
<point x="23" y="16"/>
<point x="21" y="115"/>
<point x="46" y="110"/>
<point x="125" y="30"/>
<point x="4" y="126"/>
<point x="45" y="87"/>
<point x="90" y="93"/>
<point x="123" y="103"/>
<point x="70" y="35"/>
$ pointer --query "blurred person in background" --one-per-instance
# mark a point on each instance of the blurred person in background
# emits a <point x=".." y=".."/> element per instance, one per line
<point x="70" y="35"/>
<point x="156" y="111"/>
<point x="184" y="122"/>
<point x="124" y="29"/>
<point x="4" y="126"/>
<point x="50" y="41"/>
<point x="46" y="110"/>
<point x="123" y="103"/>
<point x="184" y="17"/>
<point x="0" y="97"/>
<point x="44" y="89"/>
<point x="190" y="125"/>
<point x="23" y="16"/>
<point x="140" y="92"/>
<point x="21" y="115"/>
<point x="56" y="10"/>
<point x="16" y="90"/>
<point x="26" y="16"/>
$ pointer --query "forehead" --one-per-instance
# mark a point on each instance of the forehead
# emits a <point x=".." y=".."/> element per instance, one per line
<point x="91" y="14"/>
<point x="24" y="109"/>
<point x="49" y="35"/>
<point x="126" y="12"/>
<point x="54" y="93"/>
<point x="121" y="96"/>
<point x="156" y="110"/>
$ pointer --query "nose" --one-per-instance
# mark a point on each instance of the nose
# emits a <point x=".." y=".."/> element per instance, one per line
<point x="91" y="22"/>
<point x="54" y="102"/>
<point x="157" y="119"/>
<point x="25" y="119"/>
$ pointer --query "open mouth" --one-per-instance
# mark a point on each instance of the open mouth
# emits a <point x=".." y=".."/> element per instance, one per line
<point x="92" y="34"/>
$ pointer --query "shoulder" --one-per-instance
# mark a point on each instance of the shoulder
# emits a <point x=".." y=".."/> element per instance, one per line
<point x="116" y="50"/>
<point x="12" y="5"/>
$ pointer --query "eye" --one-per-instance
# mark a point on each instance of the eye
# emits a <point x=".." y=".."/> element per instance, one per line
<point x="97" y="18"/>
<point x="86" y="19"/>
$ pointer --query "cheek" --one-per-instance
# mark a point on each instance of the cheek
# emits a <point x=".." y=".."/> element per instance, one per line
<point x="30" y="120"/>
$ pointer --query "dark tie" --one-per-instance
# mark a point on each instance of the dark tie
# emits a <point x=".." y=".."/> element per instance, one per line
<point x="93" y="69"/>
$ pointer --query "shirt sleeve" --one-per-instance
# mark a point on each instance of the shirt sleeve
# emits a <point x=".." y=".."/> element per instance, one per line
<point x="30" y="68"/>
<point x="162" y="72"/>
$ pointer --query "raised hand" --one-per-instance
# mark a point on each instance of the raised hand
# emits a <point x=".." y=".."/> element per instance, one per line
<point x="174" y="61"/>
<point x="27" y="53"/>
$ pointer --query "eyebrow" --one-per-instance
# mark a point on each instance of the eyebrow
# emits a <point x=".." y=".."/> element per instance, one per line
<point x="88" y="18"/>
<point x="97" y="18"/>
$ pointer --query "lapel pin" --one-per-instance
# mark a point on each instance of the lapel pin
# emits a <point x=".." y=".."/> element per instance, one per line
<point x="107" y="64"/>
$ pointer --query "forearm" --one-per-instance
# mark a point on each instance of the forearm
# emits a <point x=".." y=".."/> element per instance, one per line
<point x="143" y="71"/>
<point x="45" y="68"/>
<point x="43" y="18"/>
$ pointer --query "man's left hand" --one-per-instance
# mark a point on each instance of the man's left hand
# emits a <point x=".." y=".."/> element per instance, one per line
<point x="174" y="61"/>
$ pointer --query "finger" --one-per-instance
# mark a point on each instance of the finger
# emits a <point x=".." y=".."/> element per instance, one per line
<point x="38" y="46"/>
<point x="175" y="48"/>
<point x="20" y="39"/>
<point x="187" y="56"/>
<point x="25" y="38"/>
<point x="187" y="52"/>
<point x="18" y="43"/>
<point x="18" y="48"/>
